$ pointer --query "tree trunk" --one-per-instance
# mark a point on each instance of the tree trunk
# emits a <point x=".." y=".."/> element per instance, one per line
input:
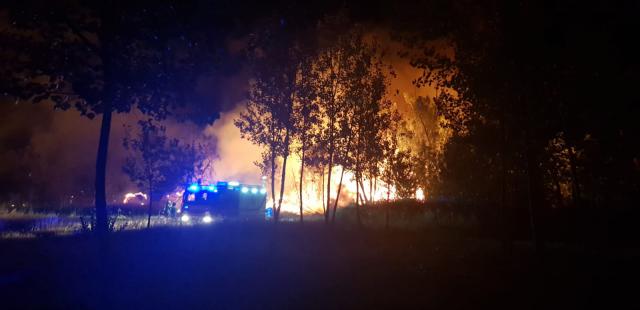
<point x="358" y="204"/>
<point x="273" y="184"/>
<point x="335" y="203"/>
<point x="282" y="182"/>
<point x="389" y="191"/>
<point x="507" y="240"/>
<point x="370" y="189"/>
<point x="575" y="188"/>
<point x="530" y="163"/>
<point x="558" y="190"/>
<point x="375" y="187"/>
<point x="324" y="209"/>
<point x="149" y="210"/>
<point x="301" y="181"/>
<point x="284" y="171"/>
<point x="533" y="180"/>
<point x="105" y="36"/>
<point x="102" y="218"/>
<point x="326" y="214"/>
<point x="364" y="194"/>
<point x="386" y="215"/>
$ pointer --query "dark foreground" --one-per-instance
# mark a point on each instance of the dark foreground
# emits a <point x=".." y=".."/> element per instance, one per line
<point x="288" y="266"/>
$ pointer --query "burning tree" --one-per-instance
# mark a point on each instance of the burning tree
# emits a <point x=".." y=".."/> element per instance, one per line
<point x="158" y="163"/>
<point x="306" y="118"/>
<point x="369" y="118"/>
<point x="351" y="88"/>
<point x="276" y="56"/>
<point x="398" y="166"/>
<point x="334" y="72"/>
<point x="324" y="100"/>
<point x="427" y="136"/>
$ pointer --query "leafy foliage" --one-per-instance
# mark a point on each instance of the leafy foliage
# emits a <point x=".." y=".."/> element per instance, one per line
<point x="158" y="164"/>
<point x="75" y="56"/>
<point x="276" y="55"/>
<point x="101" y="57"/>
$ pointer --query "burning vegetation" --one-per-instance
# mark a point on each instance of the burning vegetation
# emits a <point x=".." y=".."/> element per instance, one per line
<point x="329" y="134"/>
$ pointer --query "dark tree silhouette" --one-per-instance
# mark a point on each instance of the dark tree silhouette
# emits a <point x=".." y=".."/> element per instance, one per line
<point x="101" y="58"/>
<point x="159" y="164"/>
<point x="275" y="55"/>
<point x="369" y="117"/>
<point x="335" y="74"/>
<point x="306" y="120"/>
<point x="526" y="73"/>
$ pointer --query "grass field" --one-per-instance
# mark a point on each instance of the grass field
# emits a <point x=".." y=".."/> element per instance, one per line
<point x="289" y="266"/>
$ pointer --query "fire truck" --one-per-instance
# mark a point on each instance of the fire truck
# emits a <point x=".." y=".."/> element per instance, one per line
<point x="202" y="203"/>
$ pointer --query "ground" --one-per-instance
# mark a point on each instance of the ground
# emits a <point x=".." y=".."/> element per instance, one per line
<point x="288" y="266"/>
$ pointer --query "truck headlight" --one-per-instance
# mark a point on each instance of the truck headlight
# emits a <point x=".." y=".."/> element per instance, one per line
<point x="185" y="218"/>
<point x="207" y="219"/>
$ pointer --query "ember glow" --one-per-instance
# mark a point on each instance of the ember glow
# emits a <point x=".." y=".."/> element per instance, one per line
<point x="235" y="162"/>
<point x="314" y="188"/>
<point x="314" y="191"/>
<point x="139" y="195"/>
<point x="420" y="194"/>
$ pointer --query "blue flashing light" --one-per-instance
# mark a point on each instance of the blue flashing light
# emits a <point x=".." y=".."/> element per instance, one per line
<point x="245" y="189"/>
<point x="234" y="183"/>
<point x="194" y="188"/>
<point x="212" y="188"/>
<point x="263" y="191"/>
<point x="254" y="190"/>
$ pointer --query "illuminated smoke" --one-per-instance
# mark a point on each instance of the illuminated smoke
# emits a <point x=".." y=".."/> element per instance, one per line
<point x="233" y="158"/>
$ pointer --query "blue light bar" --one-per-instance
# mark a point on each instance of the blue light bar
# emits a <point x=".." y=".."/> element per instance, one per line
<point x="254" y="190"/>
<point x="245" y="189"/>
<point x="212" y="188"/>
<point x="194" y="188"/>
<point x="234" y="183"/>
